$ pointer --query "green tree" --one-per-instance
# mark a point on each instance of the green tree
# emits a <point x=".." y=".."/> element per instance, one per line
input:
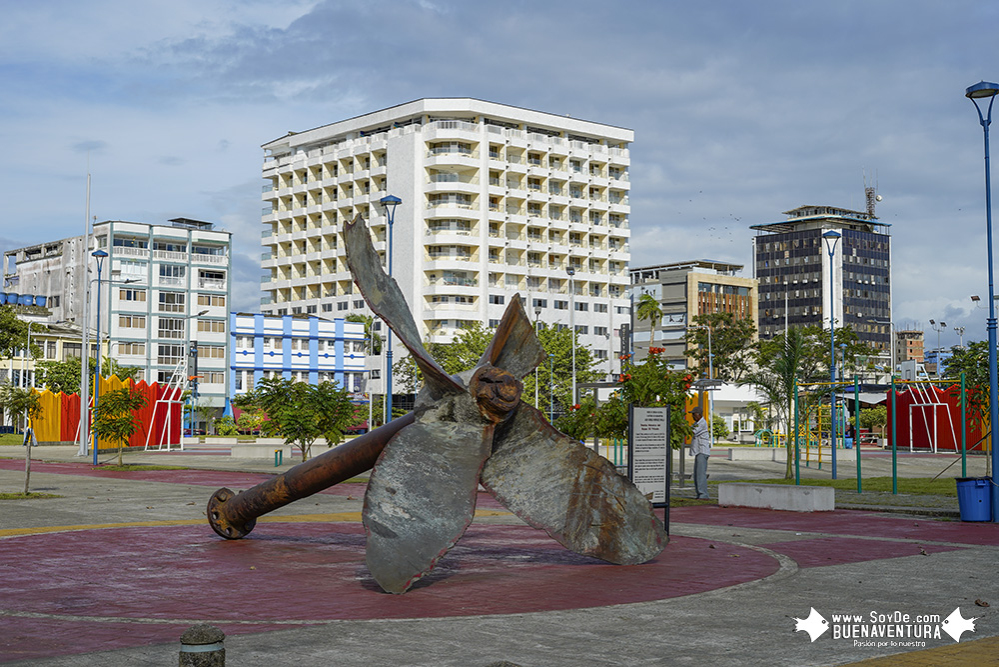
<point x="114" y="417"/>
<point x="17" y="401"/>
<point x="612" y="418"/>
<point x="648" y="308"/>
<point x="719" y="429"/>
<point x="301" y="412"/>
<point x="775" y="378"/>
<point x="813" y="363"/>
<point x="653" y="383"/>
<point x="973" y="361"/>
<point x="874" y="418"/>
<point x="459" y="355"/>
<point x="249" y="420"/>
<point x="732" y="346"/>
<point x="580" y="420"/>
<point x="14" y="334"/>
<point x="225" y="426"/>
<point x="64" y="376"/>
<point x="374" y="338"/>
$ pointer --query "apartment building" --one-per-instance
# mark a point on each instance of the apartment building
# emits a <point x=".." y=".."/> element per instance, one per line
<point x="496" y="200"/>
<point x="305" y="348"/>
<point x="164" y="289"/>
<point x="792" y="265"/>
<point x="685" y="290"/>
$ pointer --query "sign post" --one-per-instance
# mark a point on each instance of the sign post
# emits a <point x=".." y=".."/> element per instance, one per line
<point x="649" y="455"/>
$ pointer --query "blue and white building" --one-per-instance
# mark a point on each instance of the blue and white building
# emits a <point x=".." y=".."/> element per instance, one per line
<point x="304" y="348"/>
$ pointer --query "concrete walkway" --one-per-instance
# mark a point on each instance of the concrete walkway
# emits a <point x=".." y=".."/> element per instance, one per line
<point x="118" y="566"/>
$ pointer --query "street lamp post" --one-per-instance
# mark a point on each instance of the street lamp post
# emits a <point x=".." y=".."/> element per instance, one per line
<point x="572" y="327"/>
<point x="389" y="202"/>
<point x="981" y="90"/>
<point x="960" y="334"/>
<point x="85" y="358"/>
<point x="191" y="350"/>
<point x="551" y="388"/>
<point x="938" y="328"/>
<point x="537" y="318"/>
<point x="831" y="238"/>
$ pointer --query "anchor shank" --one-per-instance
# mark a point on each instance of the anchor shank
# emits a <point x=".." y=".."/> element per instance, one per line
<point x="233" y="515"/>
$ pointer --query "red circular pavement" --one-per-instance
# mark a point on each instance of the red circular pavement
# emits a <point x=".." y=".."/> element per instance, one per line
<point x="99" y="589"/>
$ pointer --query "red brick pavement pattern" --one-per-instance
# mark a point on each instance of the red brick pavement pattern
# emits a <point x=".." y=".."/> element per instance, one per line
<point x="842" y="522"/>
<point x="839" y="550"/>
<point x="310" y="572"/>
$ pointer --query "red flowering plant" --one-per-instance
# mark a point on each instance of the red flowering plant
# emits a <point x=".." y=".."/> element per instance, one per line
<point x="652" y="384"/>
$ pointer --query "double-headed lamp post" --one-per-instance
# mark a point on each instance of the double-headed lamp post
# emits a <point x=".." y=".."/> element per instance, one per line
<point x="85" y="357"/>
<point x="831" y="238"/>
<point x="938" y="327"/>
<point x="980" y="90"/>
<point x="572" y="327"/>
<point x="389" y="202"/>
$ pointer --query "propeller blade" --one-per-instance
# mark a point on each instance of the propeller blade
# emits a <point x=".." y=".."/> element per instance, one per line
<point x="514" y="347"/>
<point x="387" y="301"/>
<point x="421" y="497"/>
<point x="556" y="484"/>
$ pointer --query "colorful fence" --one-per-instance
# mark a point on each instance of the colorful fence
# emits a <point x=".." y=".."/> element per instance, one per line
<point x="59" y="420"/>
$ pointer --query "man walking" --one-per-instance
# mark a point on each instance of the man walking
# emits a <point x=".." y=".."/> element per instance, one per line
<point x="700" y="447"/>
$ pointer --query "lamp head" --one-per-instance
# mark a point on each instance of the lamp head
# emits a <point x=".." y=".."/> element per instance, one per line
<point x="932" y="322"/>
<point x="390" y="201"/>
<point x="99" y="254"/>
<point x="571" y="271"/>
<point x="831" y="238"/>
<point x="976" y="298"/>
<point x="982" y="89"/>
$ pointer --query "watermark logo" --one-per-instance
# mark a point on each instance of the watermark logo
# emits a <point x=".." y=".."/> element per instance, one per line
<point x="879" y="629"/>
<point x="815" y="625"/>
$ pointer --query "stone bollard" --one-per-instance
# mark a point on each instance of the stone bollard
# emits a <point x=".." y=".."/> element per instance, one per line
<point x="201" y="646"/>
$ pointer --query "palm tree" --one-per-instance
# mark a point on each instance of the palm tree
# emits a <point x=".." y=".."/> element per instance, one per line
<point x="777" y="383"/>
<point x="649" y="309"/>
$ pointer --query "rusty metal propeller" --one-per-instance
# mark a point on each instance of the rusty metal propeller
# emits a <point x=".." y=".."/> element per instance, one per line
<point x="474" y="428"/>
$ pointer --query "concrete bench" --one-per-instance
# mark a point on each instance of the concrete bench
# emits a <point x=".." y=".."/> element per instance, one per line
<point x="778" y="497"/>
<point x="259" y="450"/>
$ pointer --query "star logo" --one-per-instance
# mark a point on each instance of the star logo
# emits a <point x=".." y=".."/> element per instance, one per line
<point x="815" y="625"/>
<point x="956" y="625"/>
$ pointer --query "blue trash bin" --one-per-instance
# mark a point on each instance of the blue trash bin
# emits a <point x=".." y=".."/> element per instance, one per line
<point x="974" y="498"/>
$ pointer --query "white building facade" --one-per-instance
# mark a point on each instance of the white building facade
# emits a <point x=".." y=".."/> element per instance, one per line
<point x="164" y="289"/>
<point x="296" y="347"/>
<point x="496" y="200"/>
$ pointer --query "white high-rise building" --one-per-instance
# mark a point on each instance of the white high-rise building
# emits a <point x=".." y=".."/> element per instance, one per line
<point x="164" y="288"/>
<point x="496" y="200"/>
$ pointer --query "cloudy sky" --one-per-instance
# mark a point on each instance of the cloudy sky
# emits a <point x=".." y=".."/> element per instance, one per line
<point x="741" y="110"/>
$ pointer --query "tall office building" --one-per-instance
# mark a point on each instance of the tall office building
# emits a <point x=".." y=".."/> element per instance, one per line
<point x="496" y="200"/>
<point x="793" y="269"/>
<point x="685" y="290"/>
<point x="163" y="288"/>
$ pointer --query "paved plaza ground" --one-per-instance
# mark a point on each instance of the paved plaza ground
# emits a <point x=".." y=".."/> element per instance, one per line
<point x="114" y="569"/>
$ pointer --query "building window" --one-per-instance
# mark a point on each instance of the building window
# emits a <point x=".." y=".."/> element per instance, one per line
<point x="327" y="307"/>
<point x="600" y="308"/>
<point x="582" y="306"/>
<point x="214" y="377"/>
<point x="359" y="303"/>
<point x="311" y="310"/>
<point x="50" y="350"/>
<point x="170" y="327"/>
<point x="132" y="294"/>
<point x="171" y="302"/>
<point x="561" y="305"/>
<point x="211" y="352"/>
<point x="72" y="350"/>
<point x="540" y="303"/>
<point x="212" y="326"/>
<point x="169" y="355"/>
<point x="599" y="331"/>
<point x="211" y="300"/>
<point x="133" y="349"/>
<point x="582" y="329"/>
<point x="343" y="305"/>
<point x="132" y="321"/>
<point x="494" y="323"/>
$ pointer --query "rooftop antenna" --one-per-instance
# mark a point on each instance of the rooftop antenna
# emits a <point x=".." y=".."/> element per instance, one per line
<point x="871" y="195"/>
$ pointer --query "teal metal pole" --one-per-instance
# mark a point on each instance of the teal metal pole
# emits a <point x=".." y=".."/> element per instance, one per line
<point x="856" y="429"/>
<point x="894" y="439"/>
<point x="797" y="454"/>
<point x="964" y="430"/>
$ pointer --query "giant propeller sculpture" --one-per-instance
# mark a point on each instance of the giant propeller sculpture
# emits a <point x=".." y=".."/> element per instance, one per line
<point x="465" y="430"/>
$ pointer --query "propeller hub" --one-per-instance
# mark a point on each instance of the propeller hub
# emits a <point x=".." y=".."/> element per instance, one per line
<point x="496" y="392"/>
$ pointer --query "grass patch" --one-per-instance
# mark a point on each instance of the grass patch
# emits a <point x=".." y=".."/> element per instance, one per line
<point x="27" y="496"/>
<point x="9" y="439"/>
<point x="922" y="486"/>
<point x="129" y="467"/>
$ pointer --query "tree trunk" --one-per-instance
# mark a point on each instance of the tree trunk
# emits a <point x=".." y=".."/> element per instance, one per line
<point x="29" y="436"/>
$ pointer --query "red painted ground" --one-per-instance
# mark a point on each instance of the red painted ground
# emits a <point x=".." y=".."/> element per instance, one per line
<point x="310" y="572"/>
<point x="842" y="522"/>
<point x="825" y="551"/>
